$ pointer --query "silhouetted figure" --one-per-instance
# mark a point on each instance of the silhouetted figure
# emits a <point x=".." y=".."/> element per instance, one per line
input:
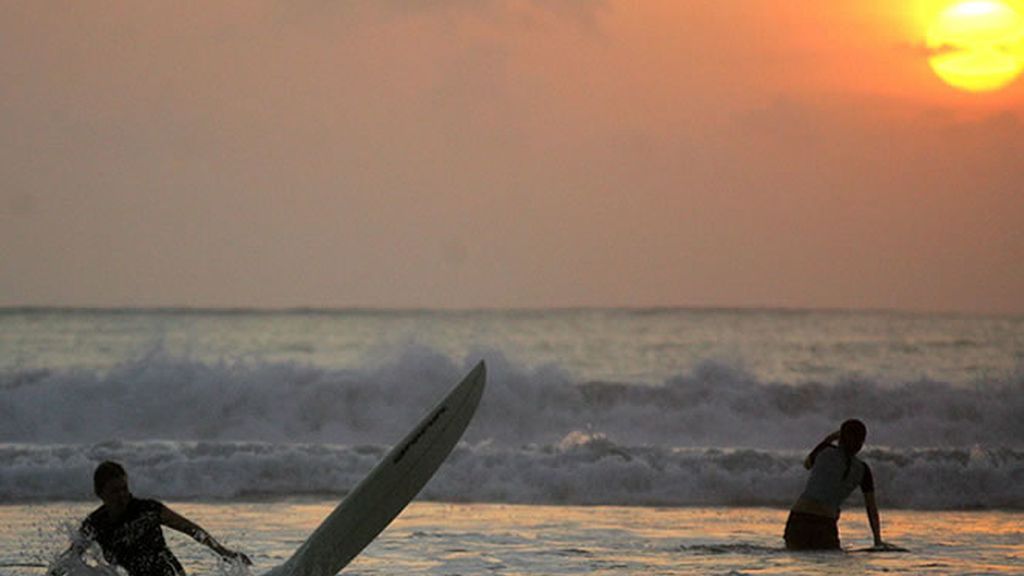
<point x="835" y="473"/>
<point x="128" y="528"/>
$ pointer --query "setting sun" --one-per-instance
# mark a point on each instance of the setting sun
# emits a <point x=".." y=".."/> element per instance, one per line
<point x="977" y="45"/>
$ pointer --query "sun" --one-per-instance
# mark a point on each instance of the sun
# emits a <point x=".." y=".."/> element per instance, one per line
<point x="977" y="45"/>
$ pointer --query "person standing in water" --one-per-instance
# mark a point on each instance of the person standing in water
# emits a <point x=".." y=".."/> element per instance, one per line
<point x="835" y="473"/>
<point x="128" y="528"/>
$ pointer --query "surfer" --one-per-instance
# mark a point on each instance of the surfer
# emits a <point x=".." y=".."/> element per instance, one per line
<point x="128" y="528"/>
<point x="835" y="473"/>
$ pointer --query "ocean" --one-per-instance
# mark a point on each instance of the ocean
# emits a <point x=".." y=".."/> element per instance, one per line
<point x="609" y="441"/>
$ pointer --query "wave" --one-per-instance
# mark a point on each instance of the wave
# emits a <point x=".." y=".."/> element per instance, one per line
<point x="158" y="396"/>
<point x="581" y="469"/>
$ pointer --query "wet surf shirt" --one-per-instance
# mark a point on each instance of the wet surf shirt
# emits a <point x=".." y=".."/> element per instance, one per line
<point x="134" y="541"/>
<point x="831" y="483"/>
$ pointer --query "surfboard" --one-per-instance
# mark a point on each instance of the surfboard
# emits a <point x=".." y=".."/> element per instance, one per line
<point x="881" y="549"/>
<point x="389" y="487"/>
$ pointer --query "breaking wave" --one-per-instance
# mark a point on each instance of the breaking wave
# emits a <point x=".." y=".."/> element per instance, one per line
<point x="583" y="469"/>
<point x="715" y="405"/>
<point x="717" y="435"/>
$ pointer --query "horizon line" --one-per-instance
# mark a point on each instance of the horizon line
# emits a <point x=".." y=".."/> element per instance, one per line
<point x="365" y="309"/>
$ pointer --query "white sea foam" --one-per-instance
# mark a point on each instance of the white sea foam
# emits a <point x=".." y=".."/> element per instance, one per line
<point x="188" y="429"/>
<point x="583" y="469"/>
<point x="715" y="405"/>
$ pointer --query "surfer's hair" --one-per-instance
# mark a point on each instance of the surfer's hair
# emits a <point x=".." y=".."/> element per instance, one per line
<point x="852" y="434"/>
<point x="106" y="472"/>
<point x="851" y="439"/>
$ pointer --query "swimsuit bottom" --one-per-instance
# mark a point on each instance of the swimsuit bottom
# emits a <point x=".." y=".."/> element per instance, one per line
<point x="811" y="532"/>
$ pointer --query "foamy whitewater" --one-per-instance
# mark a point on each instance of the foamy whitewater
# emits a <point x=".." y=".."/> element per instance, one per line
<point x="666" y="408"/>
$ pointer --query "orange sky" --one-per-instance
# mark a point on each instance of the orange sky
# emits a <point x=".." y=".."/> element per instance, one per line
<point x="501" y="153"/>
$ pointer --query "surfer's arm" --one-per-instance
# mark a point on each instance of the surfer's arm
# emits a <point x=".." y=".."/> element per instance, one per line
<point x="873" y="520"/>
<point x="81" y="540"/>
<point x="809" y="461"/>
<point x="176" y="521"/>
<point x="867" y="487"/>
<point x="79" y="544"/>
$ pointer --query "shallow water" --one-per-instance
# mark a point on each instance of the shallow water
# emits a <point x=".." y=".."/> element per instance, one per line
<point x="234" y="414"/>
<point x="433" y="538"/>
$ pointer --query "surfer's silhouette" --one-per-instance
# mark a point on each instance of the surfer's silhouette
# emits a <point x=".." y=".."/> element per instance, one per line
<point x="128" y="528"/>
<point x="835" y="473"/>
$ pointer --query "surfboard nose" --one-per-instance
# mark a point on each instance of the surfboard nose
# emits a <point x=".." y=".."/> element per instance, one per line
<point x="477" y="378"/>
<point x="478" y="371"/>
<point x="389" y="486"/>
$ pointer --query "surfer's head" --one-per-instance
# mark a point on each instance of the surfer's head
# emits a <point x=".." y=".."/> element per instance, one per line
<point x="110" y="482"/>
<point x="851" y="435"/>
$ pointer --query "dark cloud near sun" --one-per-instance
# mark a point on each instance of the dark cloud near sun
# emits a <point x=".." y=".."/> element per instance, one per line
<point x="924" y="50"/>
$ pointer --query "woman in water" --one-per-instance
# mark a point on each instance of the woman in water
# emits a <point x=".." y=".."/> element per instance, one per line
<point x="835" y="473"/>
<point x="128" y="528"/>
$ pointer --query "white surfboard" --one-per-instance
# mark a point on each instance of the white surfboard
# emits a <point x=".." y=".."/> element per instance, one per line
<point x="386" y="490"/>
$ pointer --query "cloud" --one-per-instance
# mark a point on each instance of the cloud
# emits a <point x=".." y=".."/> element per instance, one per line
<point x="923" y="49"/>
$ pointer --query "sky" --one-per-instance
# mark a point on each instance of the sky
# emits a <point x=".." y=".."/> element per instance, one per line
<point x="501" y="153"/>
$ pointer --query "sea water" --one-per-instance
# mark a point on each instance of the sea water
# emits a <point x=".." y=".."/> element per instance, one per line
<point x="608" y="441"/>
<point x="469" y="539"/>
